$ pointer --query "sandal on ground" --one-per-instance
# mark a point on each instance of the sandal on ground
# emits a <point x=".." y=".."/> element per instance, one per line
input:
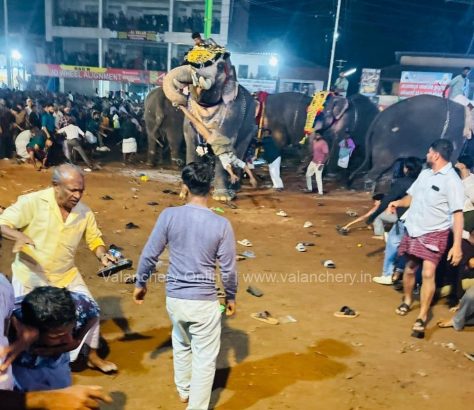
<point x="403" y="309"/>
<point x="329" y="264"/>
<point x="255" y="291"/>
<point x="266" y="317"/>
<point x="245" y="242"/>
<point x="346" y="312"/>
<point x="282" y="213"/>
<point x="307" y="224"/>
<point x="418" y="329"/>
<point x="300" y="247"/>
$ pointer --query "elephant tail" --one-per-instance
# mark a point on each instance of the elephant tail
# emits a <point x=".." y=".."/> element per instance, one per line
<point x="368" y="152"/>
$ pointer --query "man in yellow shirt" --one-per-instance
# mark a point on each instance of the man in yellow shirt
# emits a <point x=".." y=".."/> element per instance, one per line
<point x="47" y="227"/>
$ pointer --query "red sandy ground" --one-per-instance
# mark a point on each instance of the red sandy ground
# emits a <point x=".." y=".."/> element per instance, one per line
<point x="320" y="362"/>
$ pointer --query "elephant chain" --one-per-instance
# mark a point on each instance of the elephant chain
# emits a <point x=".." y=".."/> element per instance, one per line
<point x="448" y="119"/>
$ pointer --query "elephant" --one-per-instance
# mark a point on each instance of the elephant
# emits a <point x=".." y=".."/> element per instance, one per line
<point x="406" y="129"/>
<point x="164" y="126"/>
<point x="285" y="115"/>
<point x="220" y="102"/>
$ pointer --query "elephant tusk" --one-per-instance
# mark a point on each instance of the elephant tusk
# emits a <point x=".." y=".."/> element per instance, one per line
<point x="205" y="83"/>
<point x="159" y="143"/>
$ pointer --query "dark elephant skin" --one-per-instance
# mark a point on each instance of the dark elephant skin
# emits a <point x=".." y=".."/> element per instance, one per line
<point x="164" y="123"/>
<point x="223" y="104"/>
<point x="285" y="115"/>
<point x="408" y="128"/>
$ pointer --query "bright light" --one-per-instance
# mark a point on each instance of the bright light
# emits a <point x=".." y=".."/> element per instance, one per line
<point x="273" y="61"/>
<point x="336" y="36"/>
<point x="349" y="72"/>
<point x="16" y="55"/>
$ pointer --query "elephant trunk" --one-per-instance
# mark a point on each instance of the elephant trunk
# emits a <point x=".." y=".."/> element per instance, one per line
<point x="174" y="81"/>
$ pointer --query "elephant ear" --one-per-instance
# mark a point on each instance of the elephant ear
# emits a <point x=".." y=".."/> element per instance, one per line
<point x="340" y="106"/>
<point x="231" y="86"/>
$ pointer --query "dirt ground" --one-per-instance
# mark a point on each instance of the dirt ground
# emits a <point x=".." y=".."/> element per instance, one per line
<point x="319" y="362"/>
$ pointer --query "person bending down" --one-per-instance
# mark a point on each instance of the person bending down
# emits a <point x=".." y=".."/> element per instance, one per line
<point x="377" y="199"/>
<point x="222" y="147"/>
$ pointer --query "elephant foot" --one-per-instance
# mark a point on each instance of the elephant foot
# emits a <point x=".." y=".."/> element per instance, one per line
<point x="223" y="195"/>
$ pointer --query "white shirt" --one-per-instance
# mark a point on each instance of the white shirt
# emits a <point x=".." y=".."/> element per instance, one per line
<point x="435" y="197"/>
<point x="21" y="141"/>
<point x="468" y="184"/>
<point x="7" y="301"/>
<point x="72" y="132"/>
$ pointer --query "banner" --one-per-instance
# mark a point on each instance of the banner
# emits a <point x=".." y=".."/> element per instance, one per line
<point x="418" y="82"/>
<point x="269" y="86"/>
<point x="137" y="35"/>
<point x="369" y="81"/>
<point x="96" y="73"/>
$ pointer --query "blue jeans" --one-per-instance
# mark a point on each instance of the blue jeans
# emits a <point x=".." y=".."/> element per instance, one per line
<point x="391" y="248"/>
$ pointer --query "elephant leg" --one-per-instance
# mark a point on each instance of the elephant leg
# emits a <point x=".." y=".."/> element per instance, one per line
<point x="152" y="145"/>
<point x="175" y="141"/>
<point x="221" y="183"/>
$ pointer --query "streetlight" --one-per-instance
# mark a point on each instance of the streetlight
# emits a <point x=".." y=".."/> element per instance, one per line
<point x="16" y="55"/>
<point x="273" y="61"/>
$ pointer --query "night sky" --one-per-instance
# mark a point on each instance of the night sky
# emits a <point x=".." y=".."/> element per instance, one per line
<point x="370" y="30"/>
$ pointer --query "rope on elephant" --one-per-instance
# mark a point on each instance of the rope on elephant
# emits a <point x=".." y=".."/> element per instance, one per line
<point x="315" y="108"/>
<point x="204" y="56"/>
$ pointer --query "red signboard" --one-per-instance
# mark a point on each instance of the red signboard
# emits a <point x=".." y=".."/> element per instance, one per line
<point x="97" y="73"/>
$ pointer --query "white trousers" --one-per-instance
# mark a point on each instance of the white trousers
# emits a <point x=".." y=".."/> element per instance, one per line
<point x="196" y="338"/>
<point x="315" y="169"/>
<point x="274" y="169"/>
<point x="77" y="285"/>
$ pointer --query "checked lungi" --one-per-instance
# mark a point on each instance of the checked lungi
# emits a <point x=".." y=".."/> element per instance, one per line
<point x="430" y="246"/>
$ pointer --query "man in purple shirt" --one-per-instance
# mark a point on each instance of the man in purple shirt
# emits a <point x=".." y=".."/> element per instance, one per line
<point x="197" y="238"/>
<point x="320" y="151"/>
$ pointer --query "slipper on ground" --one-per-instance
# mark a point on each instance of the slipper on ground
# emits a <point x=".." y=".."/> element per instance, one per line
<point x="266" y="317"/>
<point x="346" y="312"/>
<point x="245" y="242"/>
<point x="300" y="247"/>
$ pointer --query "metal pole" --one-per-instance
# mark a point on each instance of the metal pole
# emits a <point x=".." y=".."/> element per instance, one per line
<point x="208" y="19"/>
<point x="334" y="39"/>
<point x="101" y="46"/>
<point x="7" y="46"/>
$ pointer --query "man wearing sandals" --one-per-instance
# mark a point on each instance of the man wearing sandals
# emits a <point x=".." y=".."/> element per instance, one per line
<point x="435" y="202"/>
<point x="197" y="238"/>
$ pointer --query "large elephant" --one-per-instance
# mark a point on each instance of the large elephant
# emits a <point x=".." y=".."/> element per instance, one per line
<point x="164" y="126"/>
<point x="216" y="98"/>
<point x="406" y="129"/>
<point x="285" y="115"/>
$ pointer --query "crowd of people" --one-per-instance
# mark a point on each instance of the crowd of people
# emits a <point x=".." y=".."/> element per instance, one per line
<point x="46" y="129"/>
<point x="120" y="22"/>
